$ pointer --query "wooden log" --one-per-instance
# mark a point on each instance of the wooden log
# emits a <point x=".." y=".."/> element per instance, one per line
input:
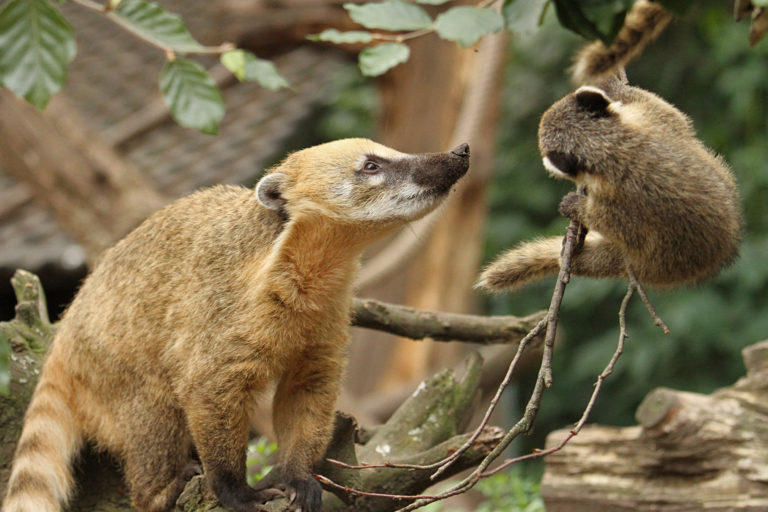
<point x="691" y="452"/>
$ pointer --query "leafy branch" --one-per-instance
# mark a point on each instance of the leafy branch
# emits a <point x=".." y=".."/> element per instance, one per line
<point x="463" y="24"/>
<point x="466" y="24"/>
<point x="37" y="45"/>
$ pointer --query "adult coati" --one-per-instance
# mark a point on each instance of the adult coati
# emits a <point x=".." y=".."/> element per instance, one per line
<point x="190" y="317"/>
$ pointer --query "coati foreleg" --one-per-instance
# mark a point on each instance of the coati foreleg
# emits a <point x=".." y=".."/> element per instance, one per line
<point x="540" y="258"/>
<point x="218" y="420"/>
<point x="303" y="414"/>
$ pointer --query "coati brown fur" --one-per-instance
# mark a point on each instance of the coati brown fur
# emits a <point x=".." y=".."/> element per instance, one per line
<point x="190" y="317"/>
<point x="655" y="200"/>
<point x="644" y="22"/>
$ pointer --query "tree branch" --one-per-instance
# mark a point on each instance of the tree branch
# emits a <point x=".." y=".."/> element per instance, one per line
<point x="418" y="324"/>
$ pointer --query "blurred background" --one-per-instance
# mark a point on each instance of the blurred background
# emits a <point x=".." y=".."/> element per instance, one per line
<point x="110" y="111"/>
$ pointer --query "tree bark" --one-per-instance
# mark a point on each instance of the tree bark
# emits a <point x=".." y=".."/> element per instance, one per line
<point x="418" y="324"/>
<point x="691" y="452"/>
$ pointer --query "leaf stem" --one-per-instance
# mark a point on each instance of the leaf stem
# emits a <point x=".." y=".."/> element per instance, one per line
<point x="169" y="51"/>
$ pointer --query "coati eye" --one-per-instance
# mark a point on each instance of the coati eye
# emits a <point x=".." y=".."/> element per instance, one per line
<point x="371" y="167"/>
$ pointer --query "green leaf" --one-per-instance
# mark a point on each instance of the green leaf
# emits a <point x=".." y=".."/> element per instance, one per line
<point x="389" y="15"/>
<point x="246" y="66"/>
<point x="191" y="95"/>
<point x="334" y="36"/>
<point x="467" y="24"/>
<point x="235" y="62"/>
<point x="151" y="21"/>
<point x="36" y="46"/>
<point x="593" y="19"/>
<point x="379" y="59"/>
<point x="524" y="16"/>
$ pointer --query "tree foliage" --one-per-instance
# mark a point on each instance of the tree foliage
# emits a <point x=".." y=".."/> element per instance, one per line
<point x="37" y="44"/>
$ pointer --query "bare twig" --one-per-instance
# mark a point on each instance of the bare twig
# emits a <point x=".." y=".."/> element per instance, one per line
<point x="569" y="246"/>
<point x="494" y="401"/>
<point x="592" y="399"/>
<point x="651" y="310"/>
<point x="543" y="381"/>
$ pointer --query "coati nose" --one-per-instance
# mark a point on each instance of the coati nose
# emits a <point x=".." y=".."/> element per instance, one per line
<point x="462" y="150"/>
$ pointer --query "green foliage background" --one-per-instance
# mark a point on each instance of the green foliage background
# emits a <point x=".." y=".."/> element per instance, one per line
<point x="703" y="65"/>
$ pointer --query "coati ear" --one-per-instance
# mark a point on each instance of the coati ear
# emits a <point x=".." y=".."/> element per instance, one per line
<point x="593" y="100"/>
<point x="269" y="191"/>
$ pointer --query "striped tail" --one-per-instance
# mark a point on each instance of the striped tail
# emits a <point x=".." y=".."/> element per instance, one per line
<point x="540" y="258"/>
<point x="644" y="22"/>
<point x="41" y="478"/>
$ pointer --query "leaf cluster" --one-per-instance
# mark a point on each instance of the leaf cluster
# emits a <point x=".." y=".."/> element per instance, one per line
<point x="37" y="45"/>
<point x="464" y="25"/>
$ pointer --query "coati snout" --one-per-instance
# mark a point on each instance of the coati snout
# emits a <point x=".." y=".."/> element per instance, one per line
<point x="442" y="170"/>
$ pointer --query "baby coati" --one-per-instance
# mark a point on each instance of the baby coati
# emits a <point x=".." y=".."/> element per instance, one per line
<point x="655" y="200"/>
<point x="185" y="321"/>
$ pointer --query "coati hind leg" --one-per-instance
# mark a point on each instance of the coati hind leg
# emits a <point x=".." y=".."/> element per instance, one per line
<point x="158" y="461"/>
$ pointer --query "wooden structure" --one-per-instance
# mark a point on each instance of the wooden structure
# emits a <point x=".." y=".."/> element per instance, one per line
<point x="691" y="452"/>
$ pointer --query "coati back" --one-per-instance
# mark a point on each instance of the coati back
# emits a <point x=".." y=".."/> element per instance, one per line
<point x="191" y="316"/>
<point x="655" y="199"/>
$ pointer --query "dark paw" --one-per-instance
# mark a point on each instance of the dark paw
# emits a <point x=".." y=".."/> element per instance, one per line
<point x="305" y="494"/>
<point x="570" y="206"/>
<point x="234" y="493"/>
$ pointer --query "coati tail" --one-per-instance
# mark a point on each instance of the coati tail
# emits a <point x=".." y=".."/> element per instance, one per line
<point x="643" y="23"/>
<point x="41" y="478"/>
<point x="541" y="258"/>
<point x="525" y="263"/>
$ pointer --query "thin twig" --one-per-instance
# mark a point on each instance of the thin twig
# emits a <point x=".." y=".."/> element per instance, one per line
<point x="445" y="464"/>
<point x="441" y="326"/>
<point x="608" y="370"/>
<point x="569" y="246"/>
<point x="651" y="310"/>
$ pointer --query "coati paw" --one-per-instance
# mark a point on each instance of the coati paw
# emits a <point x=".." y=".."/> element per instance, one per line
<point x="305" y="495"/>
<point x="570" y="206"/>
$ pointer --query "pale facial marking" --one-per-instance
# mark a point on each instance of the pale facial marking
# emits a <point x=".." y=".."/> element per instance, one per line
<point x="553" y="170"/>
